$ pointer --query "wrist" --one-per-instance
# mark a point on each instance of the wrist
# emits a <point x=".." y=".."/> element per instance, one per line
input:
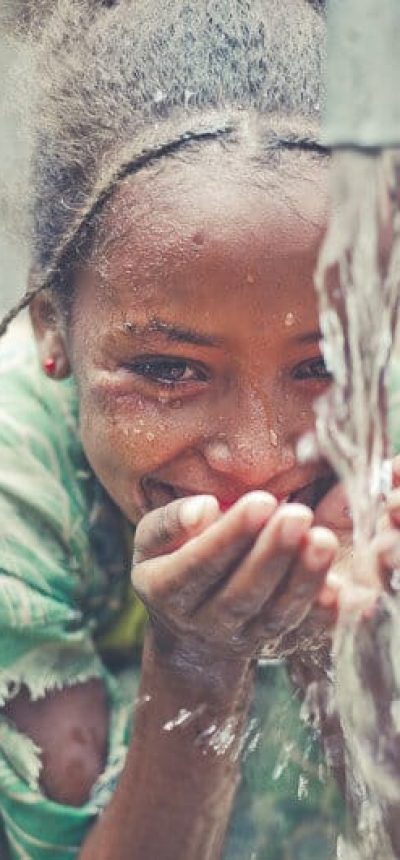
<point x="193" y="664"/>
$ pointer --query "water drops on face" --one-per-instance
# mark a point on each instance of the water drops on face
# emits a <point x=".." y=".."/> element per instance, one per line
<point x="290" y="319"/>
<point x="307" y="449"/>
<point x="273" y="438"/>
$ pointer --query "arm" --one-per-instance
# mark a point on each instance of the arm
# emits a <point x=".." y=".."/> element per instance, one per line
<point x="217" y="588"/>
<point x="175" y="795"/>
<point x="70" y="727"/>
<point x="169" y="777"/>
<point x="214" y="599"/>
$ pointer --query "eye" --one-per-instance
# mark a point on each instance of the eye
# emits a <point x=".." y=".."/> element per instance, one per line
<point x="168" y="370"/>
<point x="315" y="368"/>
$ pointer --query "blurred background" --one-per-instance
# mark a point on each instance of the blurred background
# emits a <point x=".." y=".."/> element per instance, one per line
<point x="13" y="160"/>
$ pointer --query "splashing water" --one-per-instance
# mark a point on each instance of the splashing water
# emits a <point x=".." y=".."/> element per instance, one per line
<point x="358" y="281"/>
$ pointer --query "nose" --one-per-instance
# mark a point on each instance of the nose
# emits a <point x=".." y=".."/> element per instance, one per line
<point x="251" y="447"/>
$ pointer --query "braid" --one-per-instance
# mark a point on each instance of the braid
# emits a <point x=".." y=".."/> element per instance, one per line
<point x="304" y="143"/>
<point x="115" y="178"/>
<point x="100" y="196"/>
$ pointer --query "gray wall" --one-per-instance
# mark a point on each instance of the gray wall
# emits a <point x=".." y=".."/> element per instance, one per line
<point x="13" y="157"/>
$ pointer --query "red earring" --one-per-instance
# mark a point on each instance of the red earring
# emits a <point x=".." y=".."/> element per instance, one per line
<point x="49" y="366"/>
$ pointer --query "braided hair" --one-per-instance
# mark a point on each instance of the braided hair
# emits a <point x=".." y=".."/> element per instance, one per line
<point x="117" y="84"/>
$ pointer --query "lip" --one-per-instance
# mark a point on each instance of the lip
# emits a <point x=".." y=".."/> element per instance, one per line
<point x="159" y="493"/>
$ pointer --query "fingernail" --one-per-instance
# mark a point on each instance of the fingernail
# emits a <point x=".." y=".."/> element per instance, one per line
<point x="327" y="597"/>
<point x="318" y="553"/>
<point x="193" y="510"/>
<point x="391" y="557"/>
<point x="296" y="520"/>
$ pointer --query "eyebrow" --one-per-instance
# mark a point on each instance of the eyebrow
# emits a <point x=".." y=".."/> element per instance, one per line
<point x="172" y="333"/>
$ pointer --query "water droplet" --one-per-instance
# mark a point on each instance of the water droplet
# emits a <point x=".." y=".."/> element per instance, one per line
<point x="283" y="761"/>
<point x="302" y="788"/>
<point x="273" y="438"/>
<point x="395" y="580"/>
<point x="289" y="319"/>
<point x="150" y="437"/>
<point x="189" y="96"/>
<point x="306" y="449"/>
<point x="182" y="718"/>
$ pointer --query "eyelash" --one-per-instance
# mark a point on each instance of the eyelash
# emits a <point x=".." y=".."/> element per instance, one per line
<point x="153" y="368"/>
<point x="156" y="369"/>
<point x="309" y="370"/>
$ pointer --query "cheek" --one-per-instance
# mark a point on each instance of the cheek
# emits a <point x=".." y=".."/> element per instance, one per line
<point x="125" y="439"/>
<point x="295" y="409"/>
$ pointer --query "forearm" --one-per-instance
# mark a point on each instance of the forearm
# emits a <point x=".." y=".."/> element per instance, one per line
<point x="176" y="792"/>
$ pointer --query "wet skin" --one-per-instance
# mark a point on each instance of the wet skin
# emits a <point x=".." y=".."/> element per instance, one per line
<point x="194" y="337"/>
<point x="194" y="342"/>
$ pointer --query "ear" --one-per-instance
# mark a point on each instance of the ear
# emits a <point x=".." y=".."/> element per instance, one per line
<point x="49" y="333"/>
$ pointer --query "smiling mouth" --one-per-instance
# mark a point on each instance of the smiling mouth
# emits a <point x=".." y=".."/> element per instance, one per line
<point x="158" y="493"/>
<point x="313" y="493"/>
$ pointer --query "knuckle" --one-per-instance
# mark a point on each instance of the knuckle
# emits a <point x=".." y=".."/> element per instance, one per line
<point x="162" y="533"/>
<point x="142" y="540"/>
<point x="147" y="583"/>
<point x="153" y="585"/>
<point x="155" y="531"/>
<point x="167" y="524"/>
<point x="140" y="578"/>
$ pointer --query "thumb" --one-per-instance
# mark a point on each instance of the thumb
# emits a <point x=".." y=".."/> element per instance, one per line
<point x="165" y="529"/>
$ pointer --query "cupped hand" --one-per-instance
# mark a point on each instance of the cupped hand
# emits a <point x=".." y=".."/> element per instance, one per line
<point x="234" y="582"/>
<point x="344" y="586"/>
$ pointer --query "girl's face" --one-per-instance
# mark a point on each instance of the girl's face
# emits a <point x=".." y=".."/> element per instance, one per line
<point x="194" y="333"/>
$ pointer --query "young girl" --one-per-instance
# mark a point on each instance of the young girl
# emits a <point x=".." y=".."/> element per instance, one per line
<point x="179" y="200"/>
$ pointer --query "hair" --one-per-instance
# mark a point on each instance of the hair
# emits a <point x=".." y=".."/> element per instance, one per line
<point x="117" y="84"/>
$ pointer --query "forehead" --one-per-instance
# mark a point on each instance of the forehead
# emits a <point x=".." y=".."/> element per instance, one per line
<point x="210" y="216"/>
<point x="215" y="185"/>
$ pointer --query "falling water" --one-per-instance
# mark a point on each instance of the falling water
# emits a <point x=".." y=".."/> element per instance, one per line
<point x="358" y="282"/>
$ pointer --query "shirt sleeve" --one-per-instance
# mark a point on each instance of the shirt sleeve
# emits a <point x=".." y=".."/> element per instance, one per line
<point x="49" y="585"/>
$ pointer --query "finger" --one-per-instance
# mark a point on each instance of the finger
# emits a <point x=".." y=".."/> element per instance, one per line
<point x="396" y="471"/>
<point x="386" y="548"/>
<point x="293" y="603"/>
<point x="195" y="568"/>
<point x="328" y="597"/>
<point x="252" y="585"/>
<point x="393" y="507"/>
<point x="358" y="593"/>
<point x="165" y="529"/>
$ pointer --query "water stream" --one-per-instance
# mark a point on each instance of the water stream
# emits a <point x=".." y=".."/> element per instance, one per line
<point x="358" y="282"/>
